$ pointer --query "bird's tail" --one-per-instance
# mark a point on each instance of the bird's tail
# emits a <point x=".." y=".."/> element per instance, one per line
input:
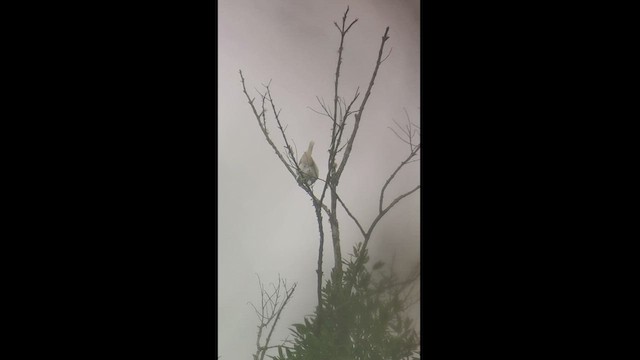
<point x="311" y="143"/>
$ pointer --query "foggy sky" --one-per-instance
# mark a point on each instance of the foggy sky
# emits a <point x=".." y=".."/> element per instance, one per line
<point x="267" y="224"/>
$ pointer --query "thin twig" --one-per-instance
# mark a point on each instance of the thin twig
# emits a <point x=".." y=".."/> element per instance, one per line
<point x="317" y="112"/>
<point x="399" y="137"/>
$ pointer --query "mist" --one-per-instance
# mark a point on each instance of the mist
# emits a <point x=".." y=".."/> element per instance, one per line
<point x="267" y="224"/>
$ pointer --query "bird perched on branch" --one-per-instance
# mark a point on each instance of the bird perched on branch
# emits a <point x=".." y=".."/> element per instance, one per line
<point x="308" y="167"/>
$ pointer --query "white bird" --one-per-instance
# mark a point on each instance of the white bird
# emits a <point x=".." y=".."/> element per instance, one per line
<point x="308" y="166"/>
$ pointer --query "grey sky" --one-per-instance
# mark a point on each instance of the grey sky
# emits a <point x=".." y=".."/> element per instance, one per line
<point x="266" y="222"/>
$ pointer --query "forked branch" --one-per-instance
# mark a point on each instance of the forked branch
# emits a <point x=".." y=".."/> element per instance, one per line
<point x="410" y="134"/>
<point x="291" y="166"/>
<point x="406" y="161"/>
<point x="358" y="115"/>
<point x="271" y="306"/>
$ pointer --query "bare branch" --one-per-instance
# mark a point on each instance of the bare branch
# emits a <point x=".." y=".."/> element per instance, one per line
<point x="399" y="137"/>
<point x="401" y="128"/>
<point x="355" y="97"/>
<point x="354" y="21"/>
<point x="271" y="315"/>
<point x="411" y="155"/>
<point x="344" y="120"/>
<point x="332" y="148"/>
<point x="413" y="151"/>
<point x="264" y="129"/>
<point x="277" y="317"/>
<point x="324" y="107"/>
<point x="260" y="316"/>
<point x="406" y="113"/>
<point x="381" y="214"/>
<point x="317" y="112"/>
<point x="409" y="119"/>
<point x="289" y="167"/>
<point x="358" y="116"/>
<point x="277" y="117"/>
<point x="351" y="216"/>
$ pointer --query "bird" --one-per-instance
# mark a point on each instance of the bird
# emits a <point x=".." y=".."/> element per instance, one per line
<point x="308" y="167"/>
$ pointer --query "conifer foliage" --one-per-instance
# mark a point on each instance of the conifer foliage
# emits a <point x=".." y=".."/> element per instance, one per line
<point x="361" y="319"/>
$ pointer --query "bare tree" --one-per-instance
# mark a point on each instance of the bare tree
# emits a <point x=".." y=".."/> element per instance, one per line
<point x="271" y="305"/>
<point x="340" y="113"/>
